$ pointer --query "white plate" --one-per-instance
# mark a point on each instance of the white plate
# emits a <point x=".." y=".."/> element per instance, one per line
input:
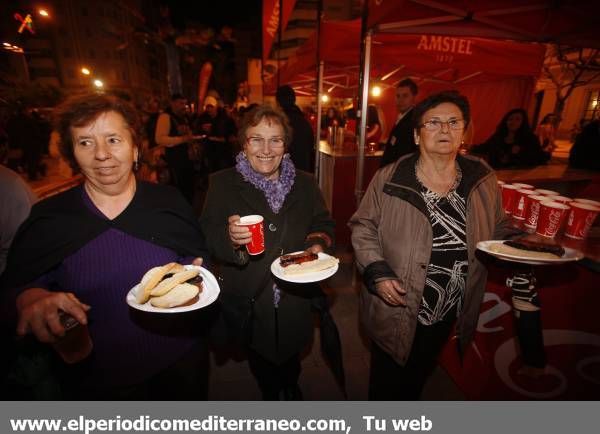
<point x="569" y="256"/>
<point x="209" y="294"/>
<point x="317" y="276"/>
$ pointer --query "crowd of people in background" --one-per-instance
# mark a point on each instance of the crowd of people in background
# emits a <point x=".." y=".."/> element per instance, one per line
<point x="183" y="146"/>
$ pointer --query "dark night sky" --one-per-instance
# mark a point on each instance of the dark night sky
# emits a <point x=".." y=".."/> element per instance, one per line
<point x="216" y="13"/>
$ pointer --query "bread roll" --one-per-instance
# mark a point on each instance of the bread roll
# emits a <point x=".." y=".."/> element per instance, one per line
<point x="167" y="284"/>
<point x="508" y="250"/>
<point x="310" y="266"/>
<point x="177" y="296"/>
<point x="152" y="278"/>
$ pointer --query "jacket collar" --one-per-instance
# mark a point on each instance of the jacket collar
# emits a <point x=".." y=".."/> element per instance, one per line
<point x="404" y="184"/>
<point x="472" y="171"/>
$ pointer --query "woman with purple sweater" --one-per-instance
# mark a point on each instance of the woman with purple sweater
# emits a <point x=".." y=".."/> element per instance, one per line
<point x="82" y="250"/>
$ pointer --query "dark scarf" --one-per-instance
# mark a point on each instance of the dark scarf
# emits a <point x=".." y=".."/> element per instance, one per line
<point x="62" y="224"/>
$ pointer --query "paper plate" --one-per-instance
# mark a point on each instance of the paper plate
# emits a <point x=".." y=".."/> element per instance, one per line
<point x="209" y="294"/>
<point x="317" y="276"/>
<point x="569" y="256"/>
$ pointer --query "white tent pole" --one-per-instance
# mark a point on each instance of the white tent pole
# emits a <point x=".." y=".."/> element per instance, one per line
<point x="318" y="126"/>
<point x="364" y="97"/>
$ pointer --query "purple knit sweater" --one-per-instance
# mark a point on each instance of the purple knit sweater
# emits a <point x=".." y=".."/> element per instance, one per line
<point x="100" y="274"/>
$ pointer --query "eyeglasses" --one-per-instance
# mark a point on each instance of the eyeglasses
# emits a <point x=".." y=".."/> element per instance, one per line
<point x="436" y="124"/>
<point x="259" y="142"/>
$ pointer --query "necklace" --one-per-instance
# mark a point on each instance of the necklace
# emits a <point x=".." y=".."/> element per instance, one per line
<point x="420" y="173"/>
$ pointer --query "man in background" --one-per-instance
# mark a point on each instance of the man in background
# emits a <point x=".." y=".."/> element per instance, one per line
<point x="401" y="140"/>
<point x="173" y="132"/>
<point x="220" y="132"/>
<point x="301" y="149"/>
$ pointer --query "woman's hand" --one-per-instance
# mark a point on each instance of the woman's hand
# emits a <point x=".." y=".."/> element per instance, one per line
<point x="38" y="313"/>
<point x="315" y="248"/>
<point x="197" y="261"/>
<point x="239" y="235"/>
<point x="391" y="292"/>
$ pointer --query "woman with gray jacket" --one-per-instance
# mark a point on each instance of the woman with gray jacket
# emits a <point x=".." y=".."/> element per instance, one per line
<point x="414" y="236"/>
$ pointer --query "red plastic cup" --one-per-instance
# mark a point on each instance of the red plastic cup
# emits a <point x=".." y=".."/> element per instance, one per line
<point x="520" y="205"/>
<point x="547" y="192"/>
<point x="532" y="210"/>
<point x="552" y="215"/>
<point x="561" y="199"/>
<point x="523" y="186"/>
<point x="580" y="220"/>
<point x="255" y="224"/>
<point x="587" y="201"/>
<point x="509" y="196"/>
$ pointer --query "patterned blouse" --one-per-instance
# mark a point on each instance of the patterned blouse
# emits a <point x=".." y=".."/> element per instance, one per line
<point x="447" y="270"/>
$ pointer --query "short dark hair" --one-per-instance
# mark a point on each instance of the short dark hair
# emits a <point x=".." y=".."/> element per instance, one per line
<point x="407" y="82"/>
<point x="254" y="116"/>
<point x="285" y="96"/>
<point x="80" y="110"/>
<point x="432" y="101"/>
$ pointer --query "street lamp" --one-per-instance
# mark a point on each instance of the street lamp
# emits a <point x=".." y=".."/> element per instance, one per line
<point x="325" y="97"/>
<point x="98" y="83"/>
<point x="43" y="13"/>
<point x="85" y="71"/>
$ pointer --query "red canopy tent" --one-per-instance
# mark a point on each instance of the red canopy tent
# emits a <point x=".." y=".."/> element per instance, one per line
<point x="495" y="75"/>
<point x="572" y="23"/>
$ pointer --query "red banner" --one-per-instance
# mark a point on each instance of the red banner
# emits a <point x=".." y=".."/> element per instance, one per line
<point x="271" y="15"/>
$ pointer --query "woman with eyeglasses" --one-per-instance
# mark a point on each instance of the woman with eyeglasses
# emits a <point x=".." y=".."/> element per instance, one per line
<point x="271" y="318"/>
<point x="414" y="237"/>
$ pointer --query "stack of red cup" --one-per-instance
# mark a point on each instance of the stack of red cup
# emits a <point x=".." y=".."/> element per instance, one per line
<point x="547" y="212"/>
<point x="581" y="218"/>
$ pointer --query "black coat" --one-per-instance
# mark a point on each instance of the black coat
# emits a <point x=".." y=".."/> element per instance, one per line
<point x="401" y="141"/>
<point x="527" y="151"/>
<point x="302" y="149"/>
<point x="303" y="212"/>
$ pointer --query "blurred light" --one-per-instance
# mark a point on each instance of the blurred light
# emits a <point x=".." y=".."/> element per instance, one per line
<point x="324" y="97"/>
<point x="376" y="90"/>
<point x="43" y="12"/>
<point x="98" y="83"/>
<point x="85" y="71"/>
<point x="14" y="48"/>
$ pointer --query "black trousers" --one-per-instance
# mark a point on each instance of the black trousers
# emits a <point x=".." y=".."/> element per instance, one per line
<point x="390" y="381"/>
<point x="276" y="382"/>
